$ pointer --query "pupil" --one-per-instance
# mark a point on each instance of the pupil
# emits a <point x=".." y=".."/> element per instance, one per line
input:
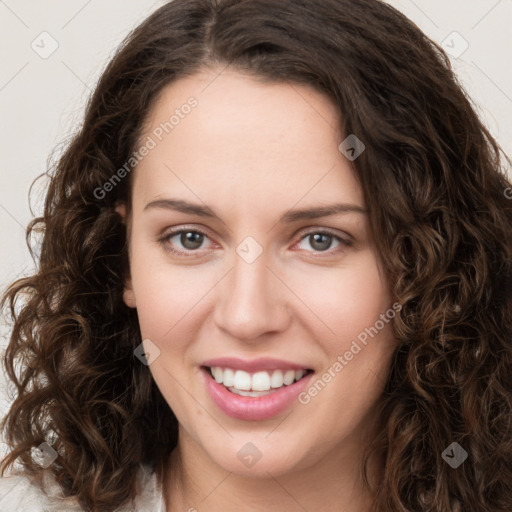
<point x="321" y="241"/>
<point x="191" y="239"/>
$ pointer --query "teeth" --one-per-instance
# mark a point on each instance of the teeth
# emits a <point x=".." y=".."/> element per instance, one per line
<point x="261" y="381"/>
<point x="257" y="384"/>
<point x="277" y="380"/>
<point x="229" y="377"/>
<point x="242" y="380"/>
<point x="249" y="393"/>
<point x="218" y="375"/>
<point x="289" y="377"/>
<point x="299" y="374"/>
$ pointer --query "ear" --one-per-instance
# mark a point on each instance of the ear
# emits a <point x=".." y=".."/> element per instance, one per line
<point x="120" y="208"/>
<point x="128" y="294"/>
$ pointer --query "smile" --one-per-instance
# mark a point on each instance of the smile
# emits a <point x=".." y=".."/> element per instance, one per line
<point x="255" y="390"/>
<point x="256" y="384"/>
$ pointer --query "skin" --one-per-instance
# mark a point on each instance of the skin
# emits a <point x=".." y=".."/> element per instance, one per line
<point x="252" y="151"/>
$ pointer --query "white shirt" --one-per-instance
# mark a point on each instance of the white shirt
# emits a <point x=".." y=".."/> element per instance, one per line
<point x="19" y="494"/>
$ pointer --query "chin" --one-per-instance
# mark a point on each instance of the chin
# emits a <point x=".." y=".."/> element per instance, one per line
<point x="257" y="457"/>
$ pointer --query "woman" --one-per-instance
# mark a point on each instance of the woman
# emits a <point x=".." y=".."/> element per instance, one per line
<point x="275" y="275"/>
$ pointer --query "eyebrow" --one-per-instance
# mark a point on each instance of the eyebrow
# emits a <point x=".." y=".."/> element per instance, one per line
<point x="288" y="217"/>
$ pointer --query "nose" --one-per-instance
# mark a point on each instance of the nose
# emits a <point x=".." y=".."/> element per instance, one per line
<point x="251" y="301"/>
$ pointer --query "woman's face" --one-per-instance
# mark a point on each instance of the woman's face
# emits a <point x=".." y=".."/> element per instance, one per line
<point x="235" y="266"/>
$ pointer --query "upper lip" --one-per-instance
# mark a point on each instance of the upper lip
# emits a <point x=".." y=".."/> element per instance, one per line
<point x="254" y="365"/>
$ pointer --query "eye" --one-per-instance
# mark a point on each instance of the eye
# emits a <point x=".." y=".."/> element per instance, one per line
<point x="189" y="239"/>
<point x="321" y="241"/>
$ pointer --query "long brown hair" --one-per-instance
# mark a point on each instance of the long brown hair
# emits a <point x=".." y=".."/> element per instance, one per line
<point x="435" y="186"/>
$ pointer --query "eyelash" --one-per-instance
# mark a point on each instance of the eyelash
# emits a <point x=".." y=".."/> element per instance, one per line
<point x="164" y="239"/>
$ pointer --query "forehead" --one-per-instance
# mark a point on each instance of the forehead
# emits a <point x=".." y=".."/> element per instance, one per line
<point x="236" y="139"/>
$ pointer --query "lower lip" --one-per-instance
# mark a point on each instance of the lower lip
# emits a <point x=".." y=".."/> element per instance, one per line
<point x="253" y="408"/>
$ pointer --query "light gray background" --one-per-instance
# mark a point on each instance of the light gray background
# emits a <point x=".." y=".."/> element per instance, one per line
<point x="42" y="96"/>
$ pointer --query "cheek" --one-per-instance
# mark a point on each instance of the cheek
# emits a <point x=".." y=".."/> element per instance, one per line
<point x="357" y="308"/>
<point x="165" y="293"/>
<point x="347" y="300"/>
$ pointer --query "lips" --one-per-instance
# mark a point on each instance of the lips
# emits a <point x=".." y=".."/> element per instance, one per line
<point x="254" y="390"/>
<point x="254" y="365"/>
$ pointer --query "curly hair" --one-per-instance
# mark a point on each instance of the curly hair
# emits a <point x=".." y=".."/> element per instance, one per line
<point x="435" y="184"/>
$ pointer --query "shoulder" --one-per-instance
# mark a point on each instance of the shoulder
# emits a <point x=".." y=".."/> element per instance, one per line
<point x="151" y="499"/>
<point x="19" y="492"/>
